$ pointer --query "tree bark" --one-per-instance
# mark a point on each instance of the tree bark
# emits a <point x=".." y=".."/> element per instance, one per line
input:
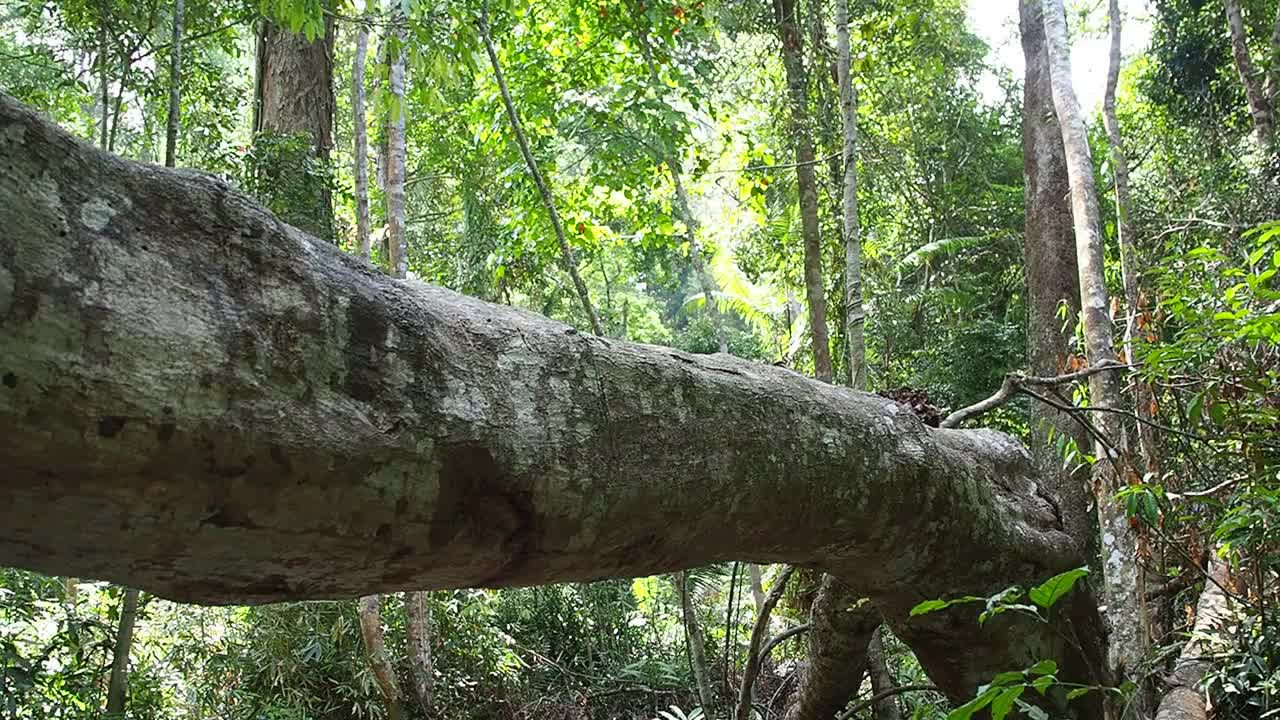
<point x="118" y="686"/>
<point x="397" y="151"/>
<point x="854" y="317"/>
<point x="1053" y="279"/>
<point x="295" y="97"/>
<point x="360" y="139"/>
<point x="1260" y="107"/>
<point x="797" y="83"/>
<point x="175" y="88"/>
<point x="1121" y="575"/>
<point x="1143" y="397"/>
<point x="567" y="256"/>
<point x="163" y="434"/>
<point x="1273" y="66"/>
<point x="759" y="633"/>
<point x="375" y="646"/>
<point x="417" y="627"/>
<point x="696" y="643"/>
<point x="886" y="708"/>
<point x="1185" y="700"/>
<point x="841" y="627"/>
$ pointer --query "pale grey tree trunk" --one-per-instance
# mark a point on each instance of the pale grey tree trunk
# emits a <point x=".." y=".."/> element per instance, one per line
<point x="1144" y="399"/>
<point x="360" y="139"/>
<point x="1185" y="698"/>
<point x="1121" y="575"/>
<point x="800" y="130"/>
<point x="854" y="317"/>
<point x="465" y="443"/>
<point x="417" y="628"/>
<point x="175" y="87"/>
<point x="759" y="633"/>
<point x="375" y="647"/>
<point x="1260" y="106"/>
<point x="695" y="642"/>
<point x="397" y="150"/>
<point x="886" y="708"/>
<point x="567" y="255"/>
<point x="118" y="686"/>
<point x="841" y="625"/>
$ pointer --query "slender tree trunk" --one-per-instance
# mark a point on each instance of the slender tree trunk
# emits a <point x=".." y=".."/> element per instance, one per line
<point x="1185" y="700"/>
<point x="695" y="642"/>
<point x="886" y="708"/>
<point x="104" y="88"/>
<point x="1273" y="66"/>
<point x="360" y="139"/>
<point x="1260" y="106"/>
<point x="759" y="631"/>
<point x="1121" y="575"/>
<point x="853" y="313"/>
<point x="175" y="87"/>
<point x="797" y="82"/>
<point x="375" y="646"/>
<point x="118" y="687"/>
<point x="417" y="628"/>
<point x="1144" y="398"/>
<point x="566" y="250"/>
<point x="397" y="150"/>
<point x="126" y="68"/>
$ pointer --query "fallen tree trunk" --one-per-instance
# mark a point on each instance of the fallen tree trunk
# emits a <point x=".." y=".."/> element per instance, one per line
<point x="201" y="401"/>
<point x="1185" y="700"/>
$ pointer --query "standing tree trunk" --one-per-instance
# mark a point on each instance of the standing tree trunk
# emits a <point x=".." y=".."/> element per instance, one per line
<point x="853" y="313"/>
<point x="1143" y="396"/>
<point x="695" y="642"/>
<point x="118" y="687"/>
<point x="1273" y="66"/>
<point x="397" y="149"/>
<point x="295" y="99"/>
<point x="886" y="708"/>
<point x="1260" y="106"/>
<point x="360" y="140"/>
<point x="375" y="646"/>
<point x="1121" y="576"/>
<point x="797" y="83"/>
<point x="759" y="633"/>
<point x="567" y="256"/>
<point x="417" y="630"/>
<point x="175" y="88"/>
<point x="1053" y="279"/>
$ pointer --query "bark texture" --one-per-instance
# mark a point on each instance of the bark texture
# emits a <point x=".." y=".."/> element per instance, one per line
<point x="854" y="316"/>
<point x="375" y="646"/>
<point x="175" y="87"/>
<point x="1185" y="700"/>
<point x="696" y="642"/>
<point x="162" y="434"/>
<point x="417" y="630"/>
<point x="759" y="635"/>
<point x="360" y="139"/>
<point x="295" y="98"/>
<point x="799" y="127"/>
<point x="1260" y="105"/>
<point x="1121" y="575"/>
<point x="1049" y="261"/>
<point x="118" y="686"/>
<point x="886" y="708"/>
<point x="397" y="149"/>
<point x="841" y="625"/>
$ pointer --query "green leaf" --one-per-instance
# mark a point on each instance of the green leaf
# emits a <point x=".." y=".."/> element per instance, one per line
<point x="1052" y="590"/>
<point x="1043" y="683"/>
<point x="1044" y="667"/>
<point x="929" y="606"/>
<point x="1003" y="703"/>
